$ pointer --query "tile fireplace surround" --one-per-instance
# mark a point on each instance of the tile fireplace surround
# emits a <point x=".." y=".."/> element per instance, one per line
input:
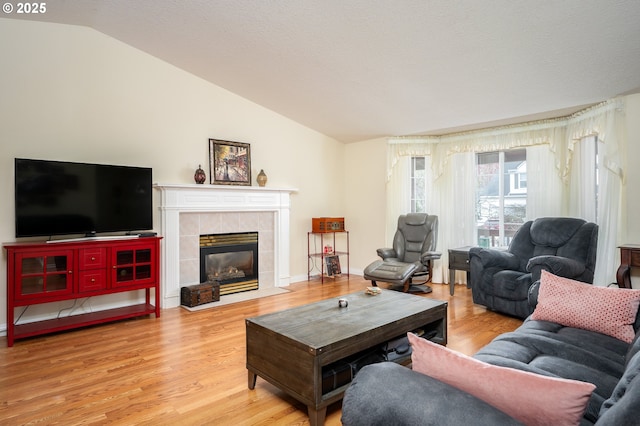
<point x="187" y="211"/>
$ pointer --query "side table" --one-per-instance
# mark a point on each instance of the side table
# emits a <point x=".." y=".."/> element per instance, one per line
<point x="458" y="260"/>
<point x="629" y="256"/>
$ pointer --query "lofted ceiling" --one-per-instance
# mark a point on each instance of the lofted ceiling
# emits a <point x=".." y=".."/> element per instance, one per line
<point x="360" y="69"/>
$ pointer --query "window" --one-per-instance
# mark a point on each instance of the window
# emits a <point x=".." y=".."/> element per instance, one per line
<point x="501" y="195"/>
<point x="418" y="184"/>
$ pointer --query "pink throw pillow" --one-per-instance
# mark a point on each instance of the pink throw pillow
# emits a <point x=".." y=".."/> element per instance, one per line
<point x="530" y="398"/>
<point x="610" y="311"/>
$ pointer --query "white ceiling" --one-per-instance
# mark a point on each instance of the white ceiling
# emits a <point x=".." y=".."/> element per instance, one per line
<point x="360" y="69"/>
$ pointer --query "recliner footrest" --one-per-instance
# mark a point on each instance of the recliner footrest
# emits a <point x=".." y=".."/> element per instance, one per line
<point x="390" y="271"/>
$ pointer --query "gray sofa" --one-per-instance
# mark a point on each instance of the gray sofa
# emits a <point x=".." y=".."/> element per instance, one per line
<point x="389" y="394"/>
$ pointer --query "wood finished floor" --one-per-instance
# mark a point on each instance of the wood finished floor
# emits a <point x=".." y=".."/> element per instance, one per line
<point x="185" y="368"/>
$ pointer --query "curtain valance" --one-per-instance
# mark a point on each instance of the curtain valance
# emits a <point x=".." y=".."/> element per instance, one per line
<point x="560" y="134"/>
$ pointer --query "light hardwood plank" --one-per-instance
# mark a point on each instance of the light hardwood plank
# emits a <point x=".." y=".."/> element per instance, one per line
<point x="184" y="368"/>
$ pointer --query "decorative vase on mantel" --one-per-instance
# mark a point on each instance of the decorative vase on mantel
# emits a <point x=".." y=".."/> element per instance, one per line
<point x="200" y="176"/>
<point x="262" y="178"/>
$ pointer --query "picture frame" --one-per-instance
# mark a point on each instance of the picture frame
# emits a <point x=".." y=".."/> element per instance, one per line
<point x="333" y="265"/>
<point x="229" y="162"/>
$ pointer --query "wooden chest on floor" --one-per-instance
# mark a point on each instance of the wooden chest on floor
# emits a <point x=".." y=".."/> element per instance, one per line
<point x="200" y="294"/>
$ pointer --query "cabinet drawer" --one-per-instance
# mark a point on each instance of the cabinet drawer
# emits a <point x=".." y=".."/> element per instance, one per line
<point x="93" y="258"/>
<point x="459" y="261"/>
<point x="92" y="280"/>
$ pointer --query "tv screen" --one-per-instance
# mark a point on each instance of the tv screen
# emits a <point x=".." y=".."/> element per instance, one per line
<point x="63" y="198"/>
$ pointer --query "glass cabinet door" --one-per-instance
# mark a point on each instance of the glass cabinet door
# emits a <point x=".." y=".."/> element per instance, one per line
<point x="44" y="275"/>
<point x="133" y="266"/>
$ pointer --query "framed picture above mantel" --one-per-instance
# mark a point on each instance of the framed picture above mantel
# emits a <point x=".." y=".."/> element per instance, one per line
<point x="229" y="162"/>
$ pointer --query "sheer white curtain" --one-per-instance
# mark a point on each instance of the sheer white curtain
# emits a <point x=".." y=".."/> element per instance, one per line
<point x="398" y="196"/>
<point x="454" y="192"/>
<point x="399" y="153"/>
<point x="451" y="196"/>
<point x="601" y="125"/>
<point x="583" y="181"/>
<point x="609" y="210"/>
<point x="544" y="183"/>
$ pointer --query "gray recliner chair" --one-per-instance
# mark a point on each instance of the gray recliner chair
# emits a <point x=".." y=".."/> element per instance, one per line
<point x="507" y="281"/>
<point x="412" y="254"/>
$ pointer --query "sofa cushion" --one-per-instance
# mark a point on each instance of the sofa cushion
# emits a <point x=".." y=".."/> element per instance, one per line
<point x="623" y="407"/>
<point x="528" y="397"/>
<point x="634" y="348"/>
<point x="534" y="339"/>
<point x="554" y="350"/>
<point x="554" y="232"/>
<point x="386" y="394"/>
<point x="610" y="311"/>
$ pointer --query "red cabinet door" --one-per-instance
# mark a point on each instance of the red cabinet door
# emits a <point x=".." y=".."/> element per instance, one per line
<point x="43" y="275"/>
<point x="133" y="265"/>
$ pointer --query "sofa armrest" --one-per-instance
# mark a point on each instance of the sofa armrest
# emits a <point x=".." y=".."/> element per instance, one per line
<point x="498" y="258"/>
<point x="557" y="265"/>
<point x="390" y="394"/>
<point x="532" y="295"/>
<point x="386" y="253"/>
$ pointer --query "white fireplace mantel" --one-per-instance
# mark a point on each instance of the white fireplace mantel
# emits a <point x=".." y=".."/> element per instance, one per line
<point x="177" y="199"/>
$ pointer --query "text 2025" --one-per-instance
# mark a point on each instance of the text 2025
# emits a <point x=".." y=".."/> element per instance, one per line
<point x="31" y="8"/>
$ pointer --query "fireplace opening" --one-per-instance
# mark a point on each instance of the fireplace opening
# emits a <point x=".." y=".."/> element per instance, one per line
<point x="231" y="259"/>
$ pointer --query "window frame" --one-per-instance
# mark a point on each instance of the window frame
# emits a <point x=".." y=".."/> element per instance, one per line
<point x="492" y="229"/>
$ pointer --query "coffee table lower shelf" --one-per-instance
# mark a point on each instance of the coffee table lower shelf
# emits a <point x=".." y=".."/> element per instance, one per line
<point x="289" y="349"/>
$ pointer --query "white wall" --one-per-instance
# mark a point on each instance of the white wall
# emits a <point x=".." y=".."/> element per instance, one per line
<point x="631" y="231"/>
<point x="71" y="93"/>
<point x="365" y="185"/>
<point x="630" y="228"/>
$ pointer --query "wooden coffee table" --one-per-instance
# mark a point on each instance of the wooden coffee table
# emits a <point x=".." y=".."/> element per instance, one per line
<point x="290" y="348"/>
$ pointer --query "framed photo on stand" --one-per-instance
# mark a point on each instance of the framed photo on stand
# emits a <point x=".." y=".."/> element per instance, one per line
<point x="229" y="162"/>
<point x="333" y="265"/>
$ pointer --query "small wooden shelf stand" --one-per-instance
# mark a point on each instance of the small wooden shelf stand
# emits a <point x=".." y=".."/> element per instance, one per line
<point x="311" y="255"/>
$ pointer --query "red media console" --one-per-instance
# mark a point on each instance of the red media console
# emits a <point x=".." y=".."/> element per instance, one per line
<point x="39" y="272"/>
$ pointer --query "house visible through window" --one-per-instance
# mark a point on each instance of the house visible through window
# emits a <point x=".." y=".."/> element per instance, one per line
<point x="501" y="195"/>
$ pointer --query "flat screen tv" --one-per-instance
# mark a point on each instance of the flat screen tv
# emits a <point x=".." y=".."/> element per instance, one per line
<point x="65" y="198"/>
